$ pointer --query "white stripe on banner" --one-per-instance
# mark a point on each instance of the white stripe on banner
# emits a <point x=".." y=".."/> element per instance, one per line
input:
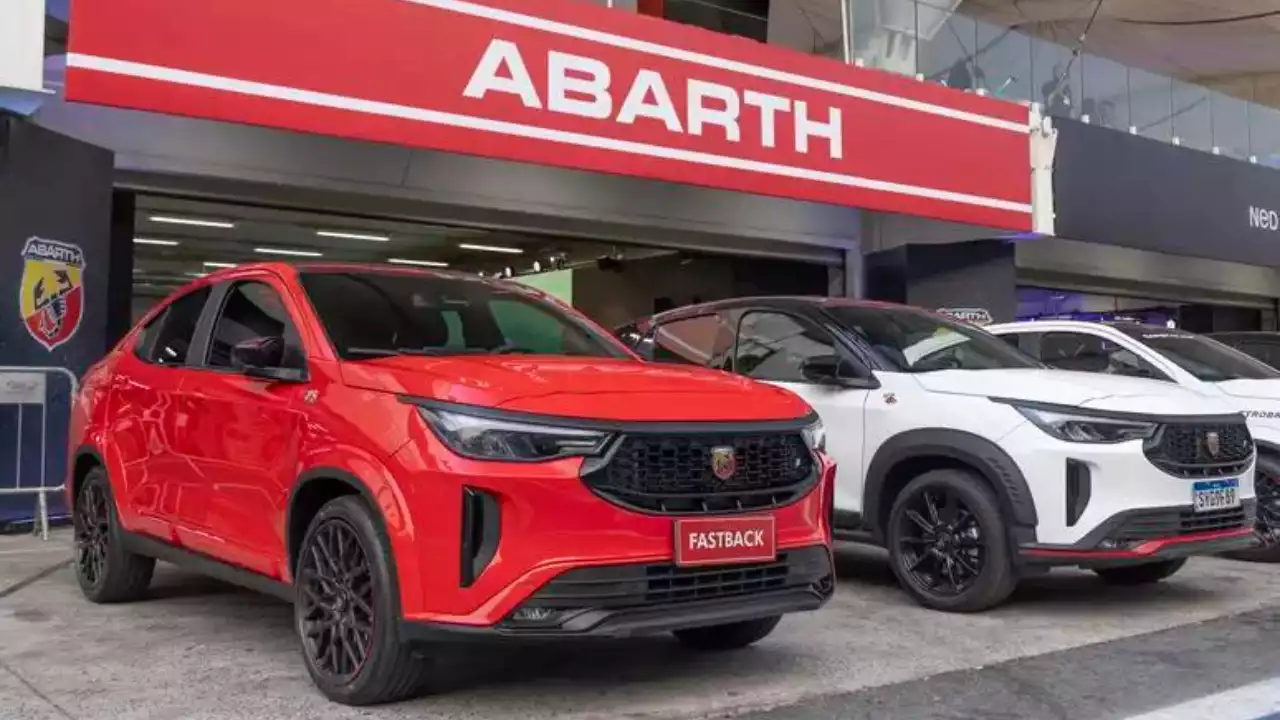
<point x="1251" y="702"/>
<point x="558" y="28"/>
<point x="532" y="132"/>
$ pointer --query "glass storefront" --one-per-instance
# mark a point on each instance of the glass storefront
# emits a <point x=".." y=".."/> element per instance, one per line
<point x="1038" y="303"/>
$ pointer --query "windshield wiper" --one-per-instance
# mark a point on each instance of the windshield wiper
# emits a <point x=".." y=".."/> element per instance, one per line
<point x="387" y="352"/>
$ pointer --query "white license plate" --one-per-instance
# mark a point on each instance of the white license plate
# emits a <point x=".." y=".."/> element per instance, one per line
<point x="1209" y="495"/>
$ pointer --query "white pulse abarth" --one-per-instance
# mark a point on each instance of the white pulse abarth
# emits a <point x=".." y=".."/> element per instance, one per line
<point x="971" y="462"/>
<point x="1192" y="361"/>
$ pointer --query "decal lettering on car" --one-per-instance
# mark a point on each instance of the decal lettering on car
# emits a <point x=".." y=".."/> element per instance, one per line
<point x="1261" y="414"/>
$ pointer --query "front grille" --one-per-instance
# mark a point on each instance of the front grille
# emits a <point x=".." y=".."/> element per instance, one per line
<point x="1185" y="450"/>
<point x="672" y="474"/>
<point x="629" y="586"/>
<point x="1173" y="522"/>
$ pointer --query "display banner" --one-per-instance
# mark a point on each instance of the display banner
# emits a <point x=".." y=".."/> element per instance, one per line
<point x="1117" y="189"/>
<point x="55" y="230"/>
<point x="569" y="84"/>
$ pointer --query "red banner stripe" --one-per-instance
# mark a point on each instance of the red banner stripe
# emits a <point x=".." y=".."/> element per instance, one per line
<point x="400" y="70"/>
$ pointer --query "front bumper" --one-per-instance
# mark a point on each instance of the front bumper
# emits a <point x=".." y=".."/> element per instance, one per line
<point x="1080" y="489"/>
<point x="487" y="538"/>
<point x="627" y="600"/>
<point x="1140" y="536"/>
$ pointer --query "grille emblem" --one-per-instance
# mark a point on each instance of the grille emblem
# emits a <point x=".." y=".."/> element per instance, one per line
<point x="1213" y="443"/>
<point x="724" y="463"/>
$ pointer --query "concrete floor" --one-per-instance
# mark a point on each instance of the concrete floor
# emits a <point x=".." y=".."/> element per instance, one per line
<point x="200" y="649"/>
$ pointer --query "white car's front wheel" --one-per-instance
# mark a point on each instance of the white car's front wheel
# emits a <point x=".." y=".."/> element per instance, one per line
<point x="948" y="544"/>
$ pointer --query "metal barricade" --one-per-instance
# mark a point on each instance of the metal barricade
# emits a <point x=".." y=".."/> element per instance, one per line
<point x="27" y="389"/>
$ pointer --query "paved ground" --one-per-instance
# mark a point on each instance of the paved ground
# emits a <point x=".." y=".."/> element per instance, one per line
<point x="199" y="649"/>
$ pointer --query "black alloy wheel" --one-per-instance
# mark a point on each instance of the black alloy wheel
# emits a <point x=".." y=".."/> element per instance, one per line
<point x="940" y="542"/>
<point x="1266" y="482"/>
<point x="106" y="571"/>
<point x="948" y="544"/>
<point x="93" y="534"/>
<point x="347" y="610"/>
<point x="337" y="606"/>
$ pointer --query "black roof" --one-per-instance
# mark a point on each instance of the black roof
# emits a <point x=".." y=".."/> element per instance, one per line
<point x="801" y="303"/>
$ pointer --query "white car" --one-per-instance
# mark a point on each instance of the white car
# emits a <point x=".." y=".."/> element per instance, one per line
<point x="972" y="463"/>
<point x="1184" y="358"/>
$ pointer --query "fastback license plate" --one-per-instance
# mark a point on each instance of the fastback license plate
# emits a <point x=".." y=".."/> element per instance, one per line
<point x="1209" y="495"/>
<point x="724" y="541"/>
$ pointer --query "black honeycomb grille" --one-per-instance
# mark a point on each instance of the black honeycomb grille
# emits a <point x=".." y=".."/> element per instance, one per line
<point x="1187" y="450"/>
<point x="672" y="474"/>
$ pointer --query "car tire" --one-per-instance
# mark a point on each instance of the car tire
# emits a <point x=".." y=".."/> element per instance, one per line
<point x="965" y="563"/>
<point x="106" y="571"/>
<point x="346" y="609"/>
<point x="1267" y="486"/>
<point x="733" y="636"/>
<point x="1144" y="574"/>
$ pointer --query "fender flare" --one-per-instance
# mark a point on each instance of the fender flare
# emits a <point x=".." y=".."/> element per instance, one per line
<point x="983" y="455"/>
<point x="362" y="488"/>
<point x="86" y="450"/>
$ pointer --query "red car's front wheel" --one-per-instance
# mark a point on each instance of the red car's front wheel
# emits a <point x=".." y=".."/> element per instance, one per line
<point x="345" y="609"/>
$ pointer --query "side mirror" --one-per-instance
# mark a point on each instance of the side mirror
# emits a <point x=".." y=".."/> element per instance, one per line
<point x="262" y="357"/>
<point x="832" y="370"/>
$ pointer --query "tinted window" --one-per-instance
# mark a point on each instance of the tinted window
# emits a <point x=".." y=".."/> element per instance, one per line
<point x="253" y="310"/>
<point x="1206" y="359"/>
<point x="1260" y="350"/>
<point x="910" y="340"/>
<point x="773" y="346"/>
<point x="370" y="314"/>
<point x="705" y="340"/>
<point x="1089" y="353"/>
<point x="167" y="338"/>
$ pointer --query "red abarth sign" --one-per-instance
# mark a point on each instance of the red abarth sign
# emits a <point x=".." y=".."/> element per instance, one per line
<point x="717" y="541"/>
<point x="565" y="83"/>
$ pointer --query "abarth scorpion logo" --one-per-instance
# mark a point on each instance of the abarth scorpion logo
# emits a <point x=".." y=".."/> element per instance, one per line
<point x="724" y="462"/>
<point x="1213" y="444"/>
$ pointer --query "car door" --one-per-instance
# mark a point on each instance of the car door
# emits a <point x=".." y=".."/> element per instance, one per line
<point x="773" y="347"/>
<point x="145" y="392"/>
<point x="242" y="432"/>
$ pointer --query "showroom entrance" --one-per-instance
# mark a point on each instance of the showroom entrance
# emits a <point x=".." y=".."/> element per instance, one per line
<point x="176" y="239"/>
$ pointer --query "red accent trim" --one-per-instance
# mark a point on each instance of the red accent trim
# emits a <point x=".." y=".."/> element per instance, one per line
<point x="1151" y="547"/>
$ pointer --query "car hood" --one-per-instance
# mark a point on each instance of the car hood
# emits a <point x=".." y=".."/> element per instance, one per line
<point x="595" y="388"/>
<point x="1075" y="389"/>
<point x="1260" y="389"/>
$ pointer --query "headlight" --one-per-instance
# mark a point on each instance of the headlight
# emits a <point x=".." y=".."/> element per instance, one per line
<point x="815" y="436"/>
<point x="1088" y="428"/>
<point x="482" y="438"/>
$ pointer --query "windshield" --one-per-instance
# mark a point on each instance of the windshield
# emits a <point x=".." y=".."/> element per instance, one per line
<point x="1207" y="359"/>
<point x="377" y="314"/>
<point x="910" y="340"/>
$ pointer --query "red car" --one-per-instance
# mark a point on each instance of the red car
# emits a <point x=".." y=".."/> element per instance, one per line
<point x="412" y="456"/>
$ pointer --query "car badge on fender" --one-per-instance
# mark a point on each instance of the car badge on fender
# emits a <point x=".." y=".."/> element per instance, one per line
<point x="724" y="462"/>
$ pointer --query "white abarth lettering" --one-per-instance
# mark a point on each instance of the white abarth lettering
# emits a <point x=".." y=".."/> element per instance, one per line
<point x="583" y="86"/>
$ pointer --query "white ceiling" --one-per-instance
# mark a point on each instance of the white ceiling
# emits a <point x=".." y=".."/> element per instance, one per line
<point x="1185" y="39"/>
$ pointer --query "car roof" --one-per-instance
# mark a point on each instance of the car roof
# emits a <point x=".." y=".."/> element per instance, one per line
<point x="801" y="303"/>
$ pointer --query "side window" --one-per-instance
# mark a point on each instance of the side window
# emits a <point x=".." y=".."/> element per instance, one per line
<point x="253" y="310"/>
<point x="167" y="338"/>
<point x="773" y="346"/>
<point x="1090" y="353"/>
<point x="1265" y="352"/>
<point x="1014" y="339"/>
<point x="705" y="340"/>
